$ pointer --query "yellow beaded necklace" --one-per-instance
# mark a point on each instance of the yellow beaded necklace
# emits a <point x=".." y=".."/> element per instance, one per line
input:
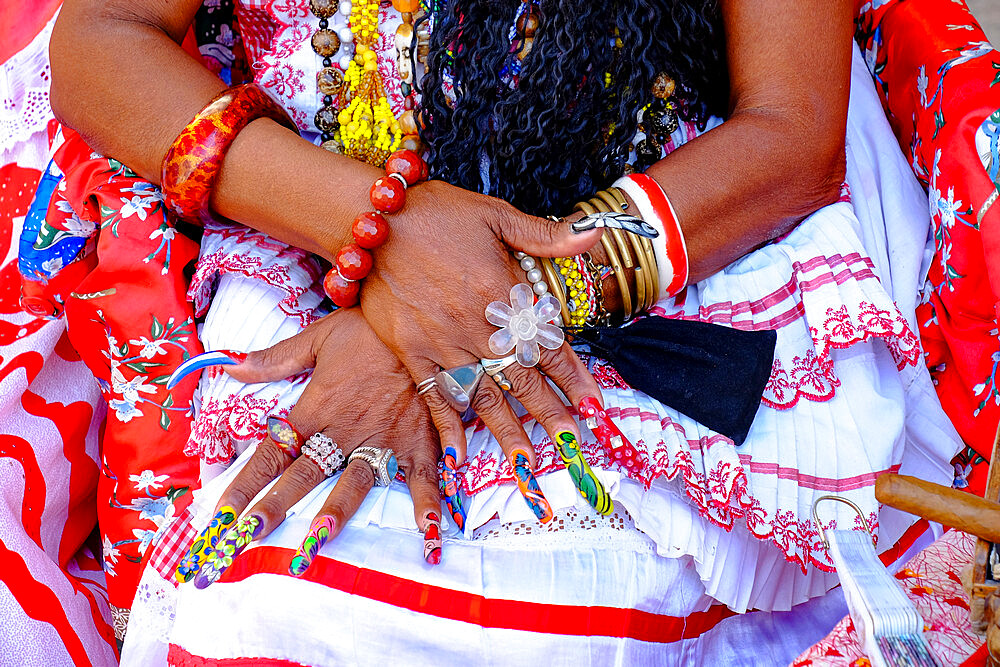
<point x="368" y="129"/>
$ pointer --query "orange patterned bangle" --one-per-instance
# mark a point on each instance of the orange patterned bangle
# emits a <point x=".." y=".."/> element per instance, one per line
<point x="191" y="166"/>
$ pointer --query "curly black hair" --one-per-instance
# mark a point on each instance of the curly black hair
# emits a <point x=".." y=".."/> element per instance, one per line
<point x="565" y="129"/>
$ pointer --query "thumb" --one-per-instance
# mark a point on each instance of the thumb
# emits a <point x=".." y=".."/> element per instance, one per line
<point x="277" y="362"/>
<point x="544" y="237"/>
<point x="281" y="360"/>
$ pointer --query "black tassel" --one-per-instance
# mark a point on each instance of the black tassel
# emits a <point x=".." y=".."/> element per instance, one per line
<point x="713" y="374"/>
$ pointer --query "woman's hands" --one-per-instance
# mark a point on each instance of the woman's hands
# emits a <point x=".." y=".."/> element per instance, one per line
<point x="359" y="395"/>
<point x="447" y="257"/>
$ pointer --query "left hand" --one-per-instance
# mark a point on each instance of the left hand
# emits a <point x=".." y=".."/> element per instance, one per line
<point x="359" y="395"/>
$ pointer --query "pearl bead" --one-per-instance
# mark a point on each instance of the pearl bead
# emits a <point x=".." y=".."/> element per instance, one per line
<point x="345" y="7"/>
<point x="534" y="275"/>
<point x="519" y="255"/>
<point x="345" y="62"/>
<point x="540" y="288"/>
<point x="528" y="264"/>
<point x="345" y="34"/>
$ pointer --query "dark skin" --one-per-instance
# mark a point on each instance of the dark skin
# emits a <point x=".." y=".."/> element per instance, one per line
<point x="778" y="158"/>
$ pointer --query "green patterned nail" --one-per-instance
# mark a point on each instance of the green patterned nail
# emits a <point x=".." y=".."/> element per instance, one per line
<point x="586" y="481"/>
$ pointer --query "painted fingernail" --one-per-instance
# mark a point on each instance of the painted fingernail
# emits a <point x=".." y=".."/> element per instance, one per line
<point x="586" y="481"/>
<point x="320" y="531"/>
<point x="528" y="485"/>
<point x="582" y="225"/>
<point x="449" y="484"/>
<point x="230" y="546"/>
<point x="205" y="543"/>
<point x="284" y="435"/>
<point x="619" y="449"/>
<point x="432" y="538"/>
<point x="204" y="360"/>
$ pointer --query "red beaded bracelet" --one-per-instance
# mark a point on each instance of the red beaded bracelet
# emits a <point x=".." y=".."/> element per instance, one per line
<point x="191" y="166"/>
<point x="370" y="229"/>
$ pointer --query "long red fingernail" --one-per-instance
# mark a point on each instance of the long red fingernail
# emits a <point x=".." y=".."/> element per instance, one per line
<point x="619" y="449"/>
<point x="432" y="538"/>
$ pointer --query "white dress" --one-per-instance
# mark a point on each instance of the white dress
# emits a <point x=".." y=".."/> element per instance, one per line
<point x="710" y="532"/>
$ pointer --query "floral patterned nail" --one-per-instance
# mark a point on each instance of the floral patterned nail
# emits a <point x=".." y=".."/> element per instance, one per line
<point x="230" y="546"/>
<point x="320" y="531"/>
<point x="449" y="484"/>
<point x="205" y="543"/>
<point x="432" y="538"/>
<point x="284" y="435"/>
<point x="528" y="485"/>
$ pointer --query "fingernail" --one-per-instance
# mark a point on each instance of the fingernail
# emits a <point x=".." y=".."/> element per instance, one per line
<point x="584" y="224"/>
<point x="284" y="435"/>
<point x="528" y="485"/>
<point x="320" y="531"/>
<point x="449" y="485"/>
<point x="619" y="449"/>
<point x="432" y="538"/>
<point x="586" y="481"/>
<point x="205" y="543"/>
<point x="204" y="360"/>
<point x="230" y="546"/>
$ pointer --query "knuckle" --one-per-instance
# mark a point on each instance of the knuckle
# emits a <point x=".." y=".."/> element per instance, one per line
<point x="489" y="401"/>
<point x="425" y="473"/>
<point x="563" y="364"/>
<point x="302" y="477"/>
<point x="354" y="484"/>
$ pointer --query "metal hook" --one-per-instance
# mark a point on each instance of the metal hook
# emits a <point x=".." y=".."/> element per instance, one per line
<point x="819" y="526"/>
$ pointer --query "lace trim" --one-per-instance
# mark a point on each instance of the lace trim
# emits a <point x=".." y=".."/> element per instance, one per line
<point x="226" y="426"/>
<point x="157" y="598"/>
<point x="24" y="84"/>
<point x="235" y="249"/>
<point x="569" y="528"/>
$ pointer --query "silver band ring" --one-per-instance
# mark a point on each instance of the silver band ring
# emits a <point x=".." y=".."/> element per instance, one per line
<point x="324" y="452"/>
<point x="382" y="461"/>
<point x="426" y="386"/>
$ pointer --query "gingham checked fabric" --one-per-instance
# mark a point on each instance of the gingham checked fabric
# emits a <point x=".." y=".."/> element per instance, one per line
<point x="171" y="546"/>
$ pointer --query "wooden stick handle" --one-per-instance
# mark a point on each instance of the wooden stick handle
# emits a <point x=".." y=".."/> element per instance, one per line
<point x="943" y="504"/>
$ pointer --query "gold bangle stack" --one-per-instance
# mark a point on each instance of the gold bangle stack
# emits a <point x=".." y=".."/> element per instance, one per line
<point x="626" y="251"/>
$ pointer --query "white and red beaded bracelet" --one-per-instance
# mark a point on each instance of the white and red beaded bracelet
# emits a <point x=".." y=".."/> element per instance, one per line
<point x="669" y="246"/>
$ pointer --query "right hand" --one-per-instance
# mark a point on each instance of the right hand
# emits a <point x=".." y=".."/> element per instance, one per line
<point x="447" y="257"/>
<point x="387" y="413"/>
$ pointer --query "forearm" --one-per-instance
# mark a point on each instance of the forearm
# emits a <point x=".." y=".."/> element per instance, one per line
<point x="271" y="179"/>
<point x="747" y="182"/>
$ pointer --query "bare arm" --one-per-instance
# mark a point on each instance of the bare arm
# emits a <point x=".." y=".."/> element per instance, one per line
<point x="780" y="155"/>
<point x="133" y="107"/>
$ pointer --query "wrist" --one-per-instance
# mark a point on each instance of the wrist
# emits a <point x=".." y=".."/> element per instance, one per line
<point x="300" y="194"/>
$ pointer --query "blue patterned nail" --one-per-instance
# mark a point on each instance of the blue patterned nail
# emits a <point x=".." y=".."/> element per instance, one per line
<point x="449" y="484"/>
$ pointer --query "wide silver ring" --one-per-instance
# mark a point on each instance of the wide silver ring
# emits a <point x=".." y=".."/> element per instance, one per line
<point x="382" y="461"/>
<point x="494" y="366"/>
<point x="458" y="385"/>
<point x="324" y="452"/>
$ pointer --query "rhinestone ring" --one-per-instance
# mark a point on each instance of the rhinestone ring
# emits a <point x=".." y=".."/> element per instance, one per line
<point x="324" y="452"/>
<point x="382" y="461"/>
